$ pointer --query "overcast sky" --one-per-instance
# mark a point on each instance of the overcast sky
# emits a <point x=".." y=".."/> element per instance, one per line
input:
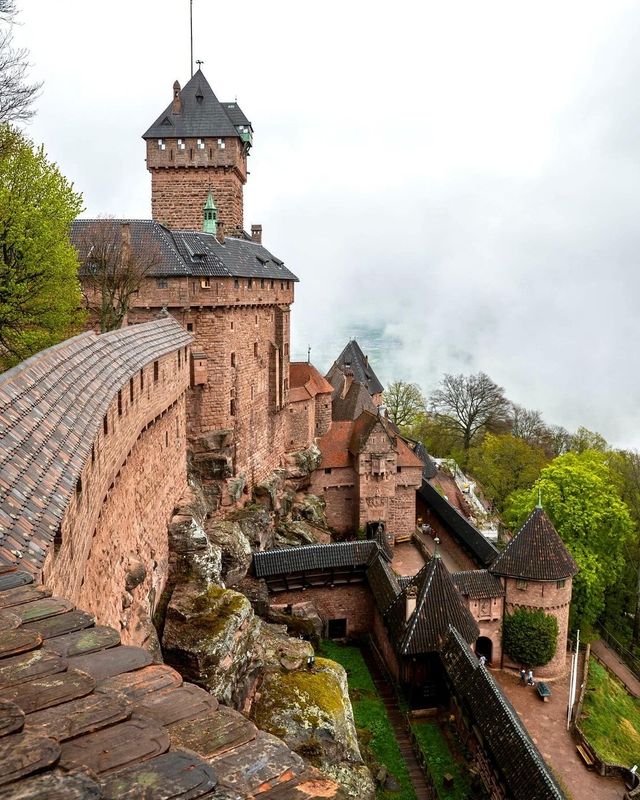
<point x="461" y="179"/>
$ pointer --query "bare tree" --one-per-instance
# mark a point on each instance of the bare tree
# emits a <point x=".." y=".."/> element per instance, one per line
<point x="469" y="404"/>
<point x="403" y="401"/>
<point x="527" y="424"/>
<point x="112" y="270"/>
<point x="16" y="93"/>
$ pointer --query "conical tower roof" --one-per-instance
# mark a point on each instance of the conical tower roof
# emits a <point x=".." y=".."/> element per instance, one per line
<point x="438" y="605"/>
<point x="201" y="114"/>
<point x="536" y="552"/>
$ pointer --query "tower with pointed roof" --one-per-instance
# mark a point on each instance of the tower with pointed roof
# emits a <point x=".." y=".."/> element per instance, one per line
<point x="537" y="571"/>
<point x="196" y="146"/>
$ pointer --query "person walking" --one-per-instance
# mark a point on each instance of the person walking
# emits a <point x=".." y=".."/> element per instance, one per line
<point x="523" y="676"/>
<point x="530" y="680"/>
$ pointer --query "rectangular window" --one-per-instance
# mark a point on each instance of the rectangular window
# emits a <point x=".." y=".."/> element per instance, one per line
<point x="327" y="470"/>
<point x="131" y="390"/>
<point x="156" y="371"/>
<point x="141" y="380"/>
<point x="249" y="283"/>
<point x="236" y="283"/>
<point x="161" y="144"/>
<point x="93" y="454"/>
<point x="190" y="327"/>
<point x="255" y="349"/>
<point x="119" y="402"/>
<point x="399" y="469"/>
<point x="273" y="283"/>
<point x="200" y="144"/>
<point x="205" y="283"/>
<point x="179" y="360"/>
<point x="282" y="284"/>
<point x="232" y="407"/>
<point x="560" y="584"/>
<point x="252" y="391"/>
<point x="221" y="144"/>
<point x="520" y="584"/>
<point x="233" y="359"/>
<point x="161" y="283"/>
<point x="105" y="424"/>
<point x="181" y="144"/>
<point x="262" y="283"/>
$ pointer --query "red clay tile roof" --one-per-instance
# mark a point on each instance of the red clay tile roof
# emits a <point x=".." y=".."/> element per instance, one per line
<point x="51" y="407"/>
<point x="536" y="552"/>
<point x="82" y="717"/>
<point x="406" y="456"/>
<point x="305" y="381"/>
<point x="334" y="446"/>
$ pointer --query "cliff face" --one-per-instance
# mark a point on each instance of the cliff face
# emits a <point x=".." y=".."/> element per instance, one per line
<point x="212" y="635"/>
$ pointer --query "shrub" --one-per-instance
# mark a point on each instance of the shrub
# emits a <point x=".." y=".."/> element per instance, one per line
<point x="530" y="637"/>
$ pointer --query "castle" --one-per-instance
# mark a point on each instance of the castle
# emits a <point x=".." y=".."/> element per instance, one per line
<point x="94" y="463"/>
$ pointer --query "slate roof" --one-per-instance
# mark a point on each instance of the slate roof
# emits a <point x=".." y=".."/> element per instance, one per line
<point x="430" y="469"/>
<point x="51" y="407"/>
<point x="305" y="382"/>
<point x="525" y="773"/>
<point x="285" y="560"/>
<point x="438" y="605"/>
<point x="477" y="584"/>
<point x="482" y="551"/>
<point x="536" y="552"/>
<point x="202" y="114"/>
<point x="189" y="253"/>
<point x="356" y="400"/>
<point x="383" y="582"/>
<point x="83" y="717"/>
<point x="354" y="360"/>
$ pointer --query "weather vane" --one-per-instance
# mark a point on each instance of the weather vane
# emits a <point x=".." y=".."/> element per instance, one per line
<point x="199" y="63"/>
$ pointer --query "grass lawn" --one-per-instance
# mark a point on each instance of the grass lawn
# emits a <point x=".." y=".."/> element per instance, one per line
<point x="377" y="739"/>
<point x="438" y="756"/>
<point x="612" y="718"/>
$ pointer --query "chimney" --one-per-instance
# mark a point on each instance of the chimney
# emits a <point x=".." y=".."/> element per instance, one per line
<point x="176" y="106"/>
<point x="125" y="233"/>
<point x="366" y="361"/>
<point x="411" y="598"/>
<point x="220" y="233"/>
<point x="256" y="233"/>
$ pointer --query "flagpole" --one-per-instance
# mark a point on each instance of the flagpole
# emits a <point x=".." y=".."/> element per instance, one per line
<point x="191" y="32"/>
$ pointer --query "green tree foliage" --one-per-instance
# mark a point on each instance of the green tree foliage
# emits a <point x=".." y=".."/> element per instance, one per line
<point x="39" y="289"/>
<point x="584" y="439"/>
<point x="530" y="637"/>
<point x="403" y="401"/>
<point x="580" y="494"/>
<point x="504" y="463"/>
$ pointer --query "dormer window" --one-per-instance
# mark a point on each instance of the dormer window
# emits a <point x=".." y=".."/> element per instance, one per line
<point x="221" y="144"/>
<point x="181" y="144"/>
<point x="200" y="144"/>
<point x="161" y="144"/>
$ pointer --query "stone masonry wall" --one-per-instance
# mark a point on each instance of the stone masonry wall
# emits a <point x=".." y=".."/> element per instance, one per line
<point x="137" y="470"/>
<point x="322" y="414"/>
<point x="487" y="612"/>
<point x="353" y="603"/>
<point x="402" y="518"/>
<point x="300" y="425"/>
<point x="243" y="330"/>
<point x="337" y="486"/>
<point x="552" y="599"/>
<point x="182" y="178"/>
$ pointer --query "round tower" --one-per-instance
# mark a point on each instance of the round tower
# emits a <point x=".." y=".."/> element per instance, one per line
<point x="198" y="146"/>
<point x="537" y="571"/>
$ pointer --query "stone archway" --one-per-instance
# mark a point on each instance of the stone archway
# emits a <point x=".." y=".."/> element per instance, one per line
<point x="484" y="647"/>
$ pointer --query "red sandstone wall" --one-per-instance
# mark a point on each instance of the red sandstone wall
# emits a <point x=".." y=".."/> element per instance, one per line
<point x="488" y="614"/>
<point x="323" y="414"/>
<point x="353" y="603"/>
<point x="127" y="493"/>
<point x="402" y="518"/>
<point x="339" y="491"/>
<point x="552" y="600"/>
<point x="252" y="323"/>
<point x="300" y="425"/>
<point x="181" y="180"/>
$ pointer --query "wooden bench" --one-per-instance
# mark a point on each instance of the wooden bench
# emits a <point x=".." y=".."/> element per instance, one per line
<point x="584" y="755"/>
<point x="544" y="691"/>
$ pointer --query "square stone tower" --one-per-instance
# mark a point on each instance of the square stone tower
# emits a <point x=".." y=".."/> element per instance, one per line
<point x="196" y="146"/>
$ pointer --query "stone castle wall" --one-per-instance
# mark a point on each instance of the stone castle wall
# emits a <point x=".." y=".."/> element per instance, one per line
<point x="353" y="603"/>
<point x="337" y="486"/>
<point x="242" y="328"/>
<point x="552" y="598"/>
<point x="182" y="178"/>
<point x="117" y="520"/>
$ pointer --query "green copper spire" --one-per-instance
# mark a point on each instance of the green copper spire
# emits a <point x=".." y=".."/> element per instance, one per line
<point x="210" y="224"/>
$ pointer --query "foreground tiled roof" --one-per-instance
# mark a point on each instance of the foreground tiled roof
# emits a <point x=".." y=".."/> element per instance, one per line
<point x="536" y="552"/>
<point x="51" y="407"/>
<point x="202" y="114"/>
<point x="305" y="382"/>
<point x="84" y="718"/>
<point x="313" y="556"/>
<point x="383" y="582"/>
<point x="353" y="360"/>
<point x="477" y="584"/>
<point x="482" y="551"/>
<point x="513" y="753"/>
<point x="438" y="605"/>
<point x="185" y="253"/>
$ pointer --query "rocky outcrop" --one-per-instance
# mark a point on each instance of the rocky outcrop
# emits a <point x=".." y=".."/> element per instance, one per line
<point x="310" y="710"/>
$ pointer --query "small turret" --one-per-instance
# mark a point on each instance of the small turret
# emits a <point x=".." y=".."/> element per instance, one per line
<point x="210" y="223"/>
